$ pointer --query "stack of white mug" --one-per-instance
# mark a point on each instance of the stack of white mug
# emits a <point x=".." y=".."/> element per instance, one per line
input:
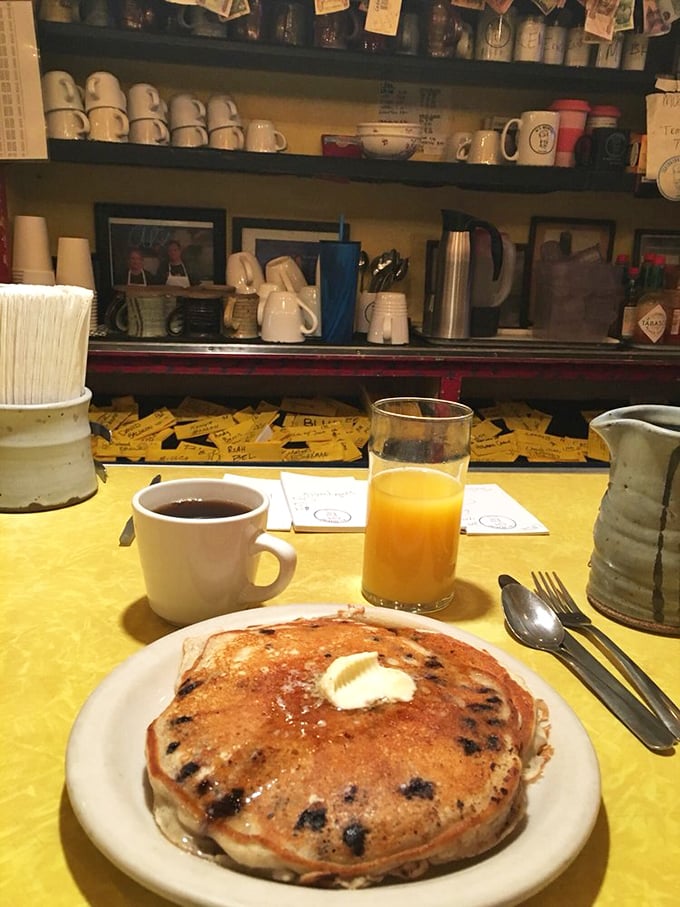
<point x="106" y="107"/>
<point x="188" y="126"/>
<point x="148" y="115"/>
<point x="64" y="106"/>
<point x="224" y="123"/>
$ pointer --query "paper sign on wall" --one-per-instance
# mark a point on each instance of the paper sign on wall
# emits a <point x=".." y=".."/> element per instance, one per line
<point x="663" y="130"/>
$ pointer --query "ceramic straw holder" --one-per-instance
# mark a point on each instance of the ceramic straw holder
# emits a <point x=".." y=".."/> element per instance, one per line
<point x="45" y="455"/>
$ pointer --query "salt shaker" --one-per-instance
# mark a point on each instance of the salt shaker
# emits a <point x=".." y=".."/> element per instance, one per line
<point x="529" y="40"/>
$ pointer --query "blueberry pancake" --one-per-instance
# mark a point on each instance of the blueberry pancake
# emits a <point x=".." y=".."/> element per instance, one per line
<point x="335" y="752"/>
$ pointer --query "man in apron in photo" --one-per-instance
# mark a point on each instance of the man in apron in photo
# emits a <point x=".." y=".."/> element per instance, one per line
<point x="136" y="273"/>
<point x="177" y="273"/>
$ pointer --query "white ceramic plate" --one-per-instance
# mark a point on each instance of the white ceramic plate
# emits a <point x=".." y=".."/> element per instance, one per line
<point x="105" y="780"/>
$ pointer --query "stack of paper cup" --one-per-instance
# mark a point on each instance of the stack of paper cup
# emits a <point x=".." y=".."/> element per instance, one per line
<point x="31" y="260"/>
<point x="74" y="269"/>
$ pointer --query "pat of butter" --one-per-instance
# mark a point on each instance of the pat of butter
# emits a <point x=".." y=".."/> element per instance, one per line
<point x="358" y="681"/>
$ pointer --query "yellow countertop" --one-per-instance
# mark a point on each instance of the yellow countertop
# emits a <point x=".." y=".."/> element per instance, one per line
<point x="73" y="607"/>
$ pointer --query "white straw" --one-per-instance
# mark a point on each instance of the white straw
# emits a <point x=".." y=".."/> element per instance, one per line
<point x="43" y="343"/>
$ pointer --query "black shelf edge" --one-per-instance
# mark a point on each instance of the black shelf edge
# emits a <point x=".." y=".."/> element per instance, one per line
<point x="501" y="178"/>
<point x="83" y="40"/>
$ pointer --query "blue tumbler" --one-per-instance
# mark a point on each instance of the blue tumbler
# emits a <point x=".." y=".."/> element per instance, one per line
<point x="338" y="272"/>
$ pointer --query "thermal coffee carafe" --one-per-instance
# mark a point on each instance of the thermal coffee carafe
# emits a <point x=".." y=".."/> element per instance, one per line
<point x="447" y="311"/>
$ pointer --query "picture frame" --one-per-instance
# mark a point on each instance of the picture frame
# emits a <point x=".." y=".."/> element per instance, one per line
<point x="143" y="233"/>
<point x="266" y="239"/>
<point x="659" y="242"/>
<point x="580" y="233"/>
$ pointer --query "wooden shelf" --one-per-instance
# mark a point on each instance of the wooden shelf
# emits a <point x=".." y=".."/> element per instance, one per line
<point x="82" y="40"/>
<point x="501" y="178"/>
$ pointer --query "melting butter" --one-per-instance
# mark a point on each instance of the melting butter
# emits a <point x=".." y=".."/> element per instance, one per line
<point x="357" y="681"/>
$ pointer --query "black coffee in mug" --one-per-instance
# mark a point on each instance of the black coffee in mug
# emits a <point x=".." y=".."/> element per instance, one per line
<point x="200" y="509"/>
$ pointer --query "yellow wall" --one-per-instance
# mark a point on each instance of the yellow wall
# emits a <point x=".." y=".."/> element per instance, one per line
<point x="381" y="216"/>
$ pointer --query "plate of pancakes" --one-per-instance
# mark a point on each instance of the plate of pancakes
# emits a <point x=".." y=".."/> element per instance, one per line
<point x="376" y="805"/>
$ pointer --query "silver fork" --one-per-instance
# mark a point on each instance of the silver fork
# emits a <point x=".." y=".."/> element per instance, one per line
<point x="553" y="591"/>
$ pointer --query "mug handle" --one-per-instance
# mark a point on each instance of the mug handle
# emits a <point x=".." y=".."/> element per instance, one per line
<point x="227" y="317"/>
<point x="174" y="323"/>
<point x="285" y="554"/>
<point x="116" y="314"/>
<point x="163" y="132"/>
<point x="280" y="141"/>
<point x="84" y="122"/>
<point x="387" y="328"/>
<point x="122" y="119"/>
<point x="509" y="157"/>
<point x="314" y="321"/>
<point x="463" y="150"/>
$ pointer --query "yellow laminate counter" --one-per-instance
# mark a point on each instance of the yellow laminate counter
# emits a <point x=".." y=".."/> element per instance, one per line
<point x="73" y="607"/>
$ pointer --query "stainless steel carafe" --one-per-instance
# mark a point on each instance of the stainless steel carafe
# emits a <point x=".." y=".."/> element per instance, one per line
<point x="447" y="311"/>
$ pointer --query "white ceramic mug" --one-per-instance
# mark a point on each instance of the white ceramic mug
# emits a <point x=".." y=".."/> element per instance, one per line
<point x="454" y="143"/>
<point x="483" y="148"/>
<point x="67" y="124"/>
<point x="102" y="89"/>
<point x="311" y="296"/>
<point x="244" y="272"/>
<point x="285" y="272"/>
<point x="195" y="569"/>
<point x="189" y="137"/>
<point x="228" y="138"/>
<point x="389" y="319"/>
<point x="143" y="102"/>
<point x="363" y="311"/>
<point x="108" y="124"/>
<point x="149" y="132"/>
<point x="186" y="110"/>
<point x="60" y="92"/>
<point x="262" y="136"/>
<point x="221" y="111"/>
<point x="282" y="317"/>
<point x="536" y="138"/>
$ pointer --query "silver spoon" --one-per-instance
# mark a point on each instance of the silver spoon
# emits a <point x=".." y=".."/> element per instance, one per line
<point x="535" y="624"/>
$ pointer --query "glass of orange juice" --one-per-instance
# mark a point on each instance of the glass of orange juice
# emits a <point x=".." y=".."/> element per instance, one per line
<point x="419" y="452"/>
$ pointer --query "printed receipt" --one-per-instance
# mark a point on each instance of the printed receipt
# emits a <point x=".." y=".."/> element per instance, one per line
<point x="338" y="504"/>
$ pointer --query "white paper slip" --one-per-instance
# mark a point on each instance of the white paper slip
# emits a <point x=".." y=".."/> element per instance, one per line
<point x="325" y="504"/>
<point x="278" y="518"/>
<point x="488" y="510"/>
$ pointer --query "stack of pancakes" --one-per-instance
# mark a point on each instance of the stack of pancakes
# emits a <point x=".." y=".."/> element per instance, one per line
<point x="253" y="766"/>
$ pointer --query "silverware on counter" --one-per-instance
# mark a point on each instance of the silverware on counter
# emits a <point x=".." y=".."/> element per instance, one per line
<point x="534" y="623"/>
<point x="553" y="591"/>
<point x="127" y="536"/>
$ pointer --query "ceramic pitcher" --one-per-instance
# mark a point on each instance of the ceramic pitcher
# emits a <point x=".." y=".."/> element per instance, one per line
<point x="635" y="564"/>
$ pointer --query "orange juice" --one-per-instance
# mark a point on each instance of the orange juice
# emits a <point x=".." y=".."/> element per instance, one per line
<point x="412" y="533"/>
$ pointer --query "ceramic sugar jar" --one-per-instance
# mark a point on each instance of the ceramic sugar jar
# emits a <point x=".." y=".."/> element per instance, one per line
<point x="635" y="564"/>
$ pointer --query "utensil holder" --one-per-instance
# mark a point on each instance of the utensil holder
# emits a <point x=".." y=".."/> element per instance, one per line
<point x="45" y="455"/>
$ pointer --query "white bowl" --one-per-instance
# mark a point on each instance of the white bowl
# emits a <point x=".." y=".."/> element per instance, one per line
<point x="410" y="129"/>
<point x="391" y="147"/>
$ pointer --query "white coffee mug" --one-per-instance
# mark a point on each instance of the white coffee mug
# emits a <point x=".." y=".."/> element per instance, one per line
<point x="67" y="124"/>
<point x="363" y="311"/>
<point x="189" y="137"/>
<point x="285" y="272"/>
<point x="221" y="111"/>
<point x="262" y="136"/>
<point x="195" y="569"/>
<point x="228" y="138"/>
<point x="102" y="89"/>
<point x="149" y="132"/>
<point x="143" y="102"/>
<point x="186" y="110"/>
<point x="60" y="92"/>
<point x="454" y="143"/>
<point x="108" y="124"/>
<point x="536" y="138"/>
<point x="311" y="296"/>
<point x="244" y="272"/>
<point x="483" y="148"/>
<point x="282" y="316"/>
<point x="389" y="319"/>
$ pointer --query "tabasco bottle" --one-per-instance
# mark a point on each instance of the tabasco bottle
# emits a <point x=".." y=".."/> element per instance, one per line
<point x="650" y="313"/>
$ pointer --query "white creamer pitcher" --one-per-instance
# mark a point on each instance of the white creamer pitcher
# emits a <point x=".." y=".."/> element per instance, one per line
<point x="635" y="564"/>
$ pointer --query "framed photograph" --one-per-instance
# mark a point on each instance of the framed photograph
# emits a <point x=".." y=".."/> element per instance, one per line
<point x="657" y="242"/>
<point x="156" y="245"/>
<point x="267" y="239"/>
<point x="556" y="237"/>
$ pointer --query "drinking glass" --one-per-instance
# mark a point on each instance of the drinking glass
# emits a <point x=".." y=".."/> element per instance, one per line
<point x="419" y="450"/>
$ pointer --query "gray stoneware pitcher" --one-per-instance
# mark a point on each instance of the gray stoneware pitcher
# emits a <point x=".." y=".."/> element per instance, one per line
<point x="635" y="564"/>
